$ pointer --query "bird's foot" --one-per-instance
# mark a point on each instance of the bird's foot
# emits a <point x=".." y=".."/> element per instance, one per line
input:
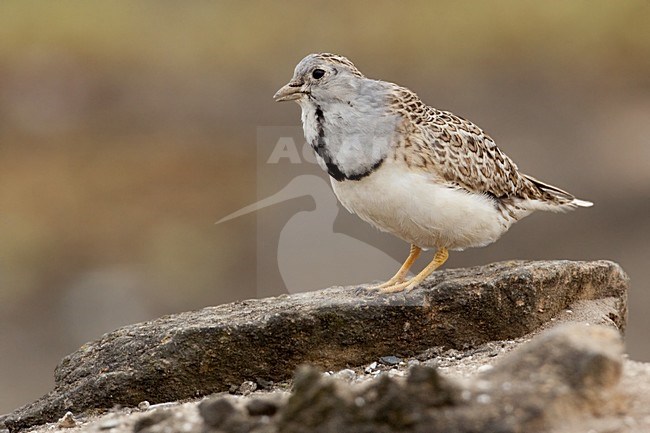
<point x="400" y="277"/>
<point x="405" y="286"/>
<point x="394" y="288"/>
<point x="398" y="283"/>
<point x="388" y="284"/>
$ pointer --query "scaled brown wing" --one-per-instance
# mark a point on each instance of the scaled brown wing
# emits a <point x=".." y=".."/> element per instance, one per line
<point x="462" y="154"/>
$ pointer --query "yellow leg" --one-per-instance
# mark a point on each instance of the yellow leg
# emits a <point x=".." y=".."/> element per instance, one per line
<point x="438" y="260"/>
<point x="403" y="271"/>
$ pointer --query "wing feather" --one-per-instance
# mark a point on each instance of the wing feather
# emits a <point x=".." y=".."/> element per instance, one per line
<point x="461" y="154"/>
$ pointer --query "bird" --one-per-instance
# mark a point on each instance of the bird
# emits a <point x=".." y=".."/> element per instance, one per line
<point x="428" y="176"/>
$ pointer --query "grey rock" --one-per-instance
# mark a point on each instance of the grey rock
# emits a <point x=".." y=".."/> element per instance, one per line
<point x="390" y="360"/>
<point x="207" y="351"/>
<point x="371" y="368"/>
<point x="247" y="387"/>
<point x="558" y="378"/>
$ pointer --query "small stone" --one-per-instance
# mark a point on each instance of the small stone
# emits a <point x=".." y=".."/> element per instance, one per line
<point x="144" y="405"/>
<point x="247" y="387"/>
<point x="369" y="369"/>
<point x="261" y="407"/>
<point x="390" y="360"/>
<point x="67" y="421"/>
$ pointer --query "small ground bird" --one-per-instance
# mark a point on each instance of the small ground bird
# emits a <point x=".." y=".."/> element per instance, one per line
<point x="427" y="176"/>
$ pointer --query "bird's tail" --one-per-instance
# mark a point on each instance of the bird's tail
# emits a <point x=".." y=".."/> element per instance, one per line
<point x="558" y="199"/>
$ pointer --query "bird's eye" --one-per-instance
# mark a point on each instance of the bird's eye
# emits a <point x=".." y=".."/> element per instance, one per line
<point x="317" y="73"/>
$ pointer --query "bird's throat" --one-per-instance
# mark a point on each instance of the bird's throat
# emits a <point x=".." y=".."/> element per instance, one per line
<point x="343" y="161"/>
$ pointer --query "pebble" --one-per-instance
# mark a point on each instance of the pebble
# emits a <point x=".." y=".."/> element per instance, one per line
<point x="67" y="421"/>
<point x="369" y="369"/>
<point x="144" y="405"/>
<point x="247" y="387"/>
<point x="390" y="360"/>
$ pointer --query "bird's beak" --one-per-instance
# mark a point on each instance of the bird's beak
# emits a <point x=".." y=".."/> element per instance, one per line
<point x="290" y="92"/>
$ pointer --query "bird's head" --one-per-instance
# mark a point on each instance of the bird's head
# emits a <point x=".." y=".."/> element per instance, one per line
<point x="321" y="77"/>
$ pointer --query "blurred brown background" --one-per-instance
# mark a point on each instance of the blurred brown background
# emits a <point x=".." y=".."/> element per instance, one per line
<point x="128" y="129"/>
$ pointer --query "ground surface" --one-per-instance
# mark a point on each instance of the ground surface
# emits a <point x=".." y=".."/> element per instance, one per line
<point x="634" y="386"/>
<point x="550" y="350"/>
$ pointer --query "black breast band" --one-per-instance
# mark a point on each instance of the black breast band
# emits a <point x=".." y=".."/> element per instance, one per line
<point x="321" y="149"/>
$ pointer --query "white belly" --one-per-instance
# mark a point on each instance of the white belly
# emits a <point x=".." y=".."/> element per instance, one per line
<point x="413" y="207"/>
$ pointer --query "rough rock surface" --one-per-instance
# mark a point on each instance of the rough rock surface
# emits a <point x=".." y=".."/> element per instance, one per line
<point x="561" y="375"/>
<point x="561" y="380"/>
<point x="221" y="348"/>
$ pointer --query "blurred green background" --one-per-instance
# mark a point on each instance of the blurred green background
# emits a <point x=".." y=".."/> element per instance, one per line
<point x="128" y="128"/>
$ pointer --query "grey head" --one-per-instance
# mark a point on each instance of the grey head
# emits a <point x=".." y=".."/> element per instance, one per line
<point x="345" y="115"/>
<point x="322" y="77"/>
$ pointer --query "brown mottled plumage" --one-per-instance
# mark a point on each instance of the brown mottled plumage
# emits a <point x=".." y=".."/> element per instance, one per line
<point x="462" y="154"/>
<point x="427" y="176"/>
